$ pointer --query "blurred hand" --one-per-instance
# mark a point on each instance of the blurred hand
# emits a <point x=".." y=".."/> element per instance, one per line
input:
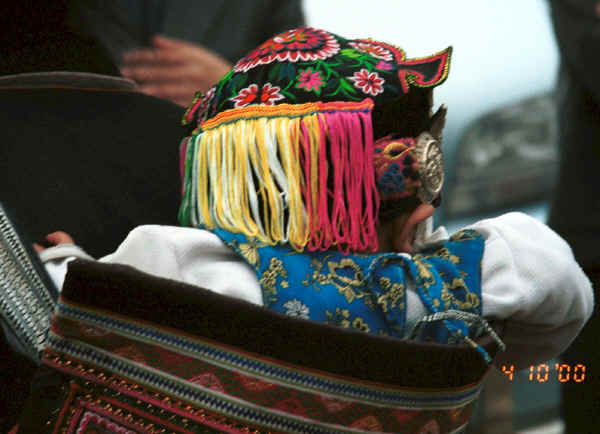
<point x="174" y="69"/>
<point x="55" y="238"/>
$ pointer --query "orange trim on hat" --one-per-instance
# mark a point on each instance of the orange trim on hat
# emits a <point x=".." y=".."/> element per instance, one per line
<point x="287" y="110"/>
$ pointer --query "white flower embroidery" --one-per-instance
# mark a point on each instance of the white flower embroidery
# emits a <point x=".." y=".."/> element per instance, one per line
<point x="296" y="308"/>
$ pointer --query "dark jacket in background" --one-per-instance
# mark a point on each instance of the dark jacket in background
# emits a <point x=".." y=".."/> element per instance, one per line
<point x="86" y="154"/>
<point x="231" y="28"/>
<point x="575" y="211"/>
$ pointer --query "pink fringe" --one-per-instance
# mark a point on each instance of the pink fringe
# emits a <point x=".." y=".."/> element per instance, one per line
<point x="305" y="161"/>
<point x="355" y="203"/>
<point x="325" y="236"/>
<point x="182" y="154"/>
<point x="371" y="193"/>
<point x="338" y="146"/>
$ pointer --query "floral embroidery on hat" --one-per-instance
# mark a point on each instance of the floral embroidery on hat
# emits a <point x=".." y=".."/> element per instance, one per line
<point x="309" y="65"/>
<point x="251" y="95"/>
<point x="310" y="80"/>
<point x="199" y="107"/>
<point x="384" y="66"/>
<point x="302" y="44"/>
<point x="205" y="103"/>
<point x="369" y="82"/>
<point x="374" y="50"/>
<point x="270" y="94"/>
<point x="246" y="96"/>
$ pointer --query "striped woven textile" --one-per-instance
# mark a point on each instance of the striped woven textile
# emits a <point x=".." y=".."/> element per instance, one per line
<point x="128" y="352"/>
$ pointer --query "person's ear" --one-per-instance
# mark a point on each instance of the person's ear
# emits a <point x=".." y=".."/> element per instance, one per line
<point x="405" y="235"/>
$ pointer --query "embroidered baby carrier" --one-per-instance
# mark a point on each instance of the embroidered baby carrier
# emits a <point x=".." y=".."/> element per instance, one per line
<point x="131" y="353"/>
<point x="284" y="166"/>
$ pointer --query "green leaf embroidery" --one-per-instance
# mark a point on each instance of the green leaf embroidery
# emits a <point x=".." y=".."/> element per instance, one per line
<point x="347" y="86"/>
<point x="288" y="85"/>
<point x="351" y="53"/>
<point x="225" y="80"/>
<point x="288" y="95"/>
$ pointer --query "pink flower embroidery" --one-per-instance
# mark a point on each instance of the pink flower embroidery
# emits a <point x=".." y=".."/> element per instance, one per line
<point x="372" y="49"/>
<point x="302" y="44"/>
<point x="369" y="83"/>
<point x="383" y="65"/>
<point x="251" y="95"/>
<point x="310" y="80"/>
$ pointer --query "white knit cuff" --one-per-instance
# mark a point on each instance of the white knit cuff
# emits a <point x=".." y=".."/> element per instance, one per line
<point x="63" y="251"/>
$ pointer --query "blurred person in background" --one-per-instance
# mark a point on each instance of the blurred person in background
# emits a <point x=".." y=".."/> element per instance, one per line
<point x="79" y="146"/>
<point x="575" y="211"/>
<point x="173" y="49"/>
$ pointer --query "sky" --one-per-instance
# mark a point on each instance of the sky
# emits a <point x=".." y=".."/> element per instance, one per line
<point x="502" y="50"/>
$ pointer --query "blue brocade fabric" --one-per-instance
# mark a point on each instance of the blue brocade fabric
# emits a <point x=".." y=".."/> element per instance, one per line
<point x="368" y="291"/>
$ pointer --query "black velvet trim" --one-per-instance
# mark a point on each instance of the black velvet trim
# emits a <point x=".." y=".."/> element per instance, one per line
<point x="197" y="311"/>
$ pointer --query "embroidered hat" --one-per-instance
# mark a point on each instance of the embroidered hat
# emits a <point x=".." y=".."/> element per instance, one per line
<point x="296" y="144"/>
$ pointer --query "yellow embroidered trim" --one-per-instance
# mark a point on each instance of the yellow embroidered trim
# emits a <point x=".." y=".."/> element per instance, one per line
<point x="283" y="110"/>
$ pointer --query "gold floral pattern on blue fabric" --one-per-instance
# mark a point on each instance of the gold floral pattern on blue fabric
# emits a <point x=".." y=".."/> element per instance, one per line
<point x="426" y="277"/>
<point x="463" y="236"/>
<point x="451" y="291"/>
<point x="342" y="318"/>
<point x="345" y="275"/>
<point x="248" y="250"/>
<point x="268" y="280"/>
<point x="367" y="292"/>
<point x="444" y="253"/>
<point x="339" y="317"/>
<point x="392" y="296"/>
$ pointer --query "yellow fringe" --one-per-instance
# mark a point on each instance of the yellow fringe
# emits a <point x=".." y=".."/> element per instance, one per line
<point x="250" y="175"/>
<point x="312" y="124"/>
<point x="227" y="157"/>
<point x="289" y="152"/>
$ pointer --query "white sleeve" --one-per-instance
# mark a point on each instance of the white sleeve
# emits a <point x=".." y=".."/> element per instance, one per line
<point x="189" y="255"/>
<point x="56" y="258"/>
<point x="531" y="280"/>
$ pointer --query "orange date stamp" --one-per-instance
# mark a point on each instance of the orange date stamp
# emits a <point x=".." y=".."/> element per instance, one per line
<point x="541" y="373"/>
